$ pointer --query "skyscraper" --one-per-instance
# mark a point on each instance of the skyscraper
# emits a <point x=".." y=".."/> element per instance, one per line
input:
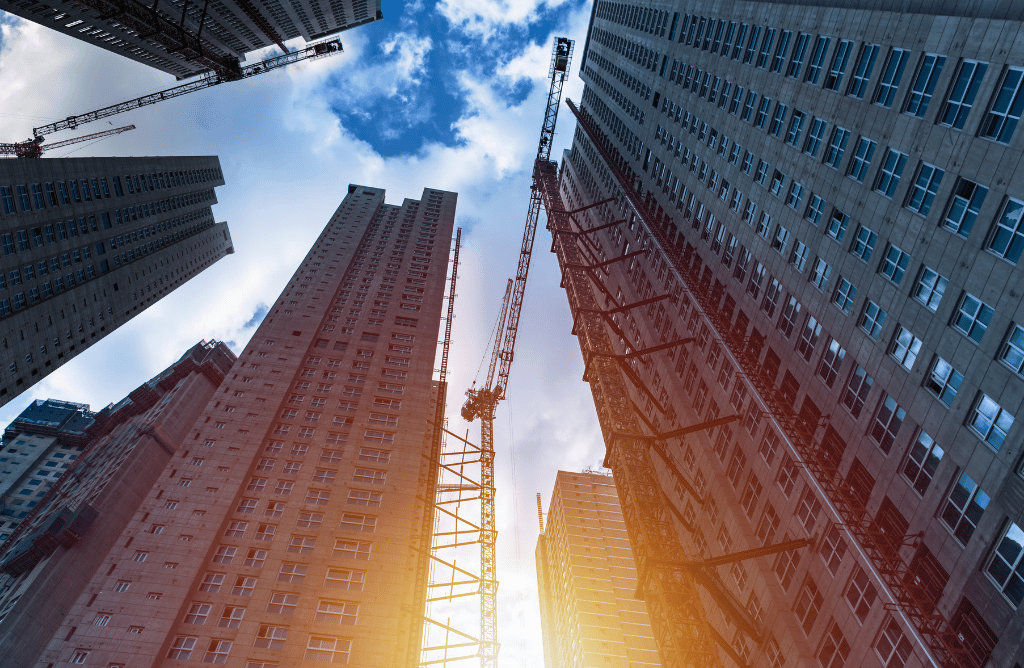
<point x="71" y="480"/>
<point x="90" y="242"/>
<point x="292" y="525"/>
<point x="587" y="580"/>
<point x="826" y="198"/>
<point x="165" y="36"/>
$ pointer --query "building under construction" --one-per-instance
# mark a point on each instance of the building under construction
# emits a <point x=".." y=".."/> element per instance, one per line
<point x="789" y="233"/>
<point x="187" y="38"/>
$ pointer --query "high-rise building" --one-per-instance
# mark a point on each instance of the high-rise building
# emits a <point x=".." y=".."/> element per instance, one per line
<point x="587" y="580"/>
<point x="72" y="479"/>
<point x="153" y="34"/>
<point x="829" y="196"/>
<point x="292" y="525"/>
<point x="88" y="243"/>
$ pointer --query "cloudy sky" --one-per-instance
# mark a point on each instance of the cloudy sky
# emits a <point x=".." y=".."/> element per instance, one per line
<point x="447" y="94"/>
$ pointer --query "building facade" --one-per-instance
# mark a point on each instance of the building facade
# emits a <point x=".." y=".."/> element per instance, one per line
<point x="88" y="243"/>
<point x="229" y="31"/>
<point x="830" y="197"/>
<point x="71" y="481"/>
<point x="292" y="526"/>
<point x="587" y="580"/>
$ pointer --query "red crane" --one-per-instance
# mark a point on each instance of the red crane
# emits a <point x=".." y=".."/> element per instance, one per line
<point x="33" y="148"/>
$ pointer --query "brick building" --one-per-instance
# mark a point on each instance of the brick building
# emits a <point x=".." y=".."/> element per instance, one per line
<point x="831" y="195"/>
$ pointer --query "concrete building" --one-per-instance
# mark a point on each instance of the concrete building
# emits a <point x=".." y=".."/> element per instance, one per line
<point x="88" y="243"/>
<point x="71" y="481"/>
<point x="587" y="580"/>
<point x="831" y="193"/>
<point x="292" y="527"/>
<point x="230" y="29"/>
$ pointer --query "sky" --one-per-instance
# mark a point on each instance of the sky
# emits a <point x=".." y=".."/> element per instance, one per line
<point x="447" y="94"/>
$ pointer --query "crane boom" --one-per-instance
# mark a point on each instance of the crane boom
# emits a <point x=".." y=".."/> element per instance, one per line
<point x="33" y="148"/>
<point x="310" y="52"/>
<point x="561" y="55"/>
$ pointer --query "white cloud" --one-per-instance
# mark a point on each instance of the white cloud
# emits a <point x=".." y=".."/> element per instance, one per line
<point x="287" y="162"/>
<point x="485" y="18"/>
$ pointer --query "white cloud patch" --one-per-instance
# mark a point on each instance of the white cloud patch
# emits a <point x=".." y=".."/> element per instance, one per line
<point x="486" y="18"/>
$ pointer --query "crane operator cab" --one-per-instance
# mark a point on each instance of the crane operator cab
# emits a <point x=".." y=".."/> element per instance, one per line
<point x="563" y="47"/>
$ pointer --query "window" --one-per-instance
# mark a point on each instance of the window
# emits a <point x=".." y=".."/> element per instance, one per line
<point x="820" y="272"/>
<point x="1006" y="568"/>
<point x="327" y="649"/>
<point x="358" y="497"/>
<point x="352" y="550"/>
<point x="815" y="209"/>
<point x="292" y="573"/>
<point x="182" y="647"/>
<point x="889" y="82"/>
<point x="814" y="136"/>
<point x="922" y="193"/>
<point x="857" y="388"/>
<point x="244" y="586"/>
<point x="817" y="61"/>
<point x="890" y="172"/>
<point x="862" y="159"/>
<point x="989" y="421"/>
<point x="255" y="557"/>
<point x="831" y="362"/>
<point x="302" y="544"/>
<point x="369" y="476"/>
<point x="236" y="529"/>
<point x="1005" y="110"/>
<point x="282" y="603"/>
<point x="212" y="582"/>
<point x="861" y="594"/>
<point x="778" y="181"/>
<point x="964" y="205"/>
<point x="972" y="317"/>
<point x="225" y="554"/>
<point x="836" y="147"/>
<point x="964" y="507"/>
<point x="780" y="239"/>
<point x="894" y="264"/>
<point x="943" y="381"/>
<point x="762" y="112"/>
<point x="232" y="616"/>
<point x="862" y="70"/>
<point x="197" y="613"/>
<point x="922" y="461"/>
<point x="834" y="78"/>
<point x="905" y="347"/>
<point x="808" y="604"/>
<point x="336" y="612"/>
<point x="1013" y="350"/>
<point x="844" y="295"/>
<point x="799" y="53"/>
<point x="961" y="94"/>
<point x="929" y="288"/>
<point x="778" y="120"/>
<point x="270" y="637"/>
<point x="796" y="126"/>
<point x="798" y="258"/>
<point x="795" y="196"/>
<point x="1007" y="234"/>
<point x="339" y="578"/>
<point x="834" y="648"/>
<point x="833" y="549"/>
<point x="808" y="509"/>
<point x="873" y="319"/>
<point x="923" y="87"/>
<point x="887" y="422"/>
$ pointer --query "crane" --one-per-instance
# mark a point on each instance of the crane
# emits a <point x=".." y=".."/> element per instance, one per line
<point x="33" y="148"/>
<point x="481" y="402"/>
<point x="311" y="51"/>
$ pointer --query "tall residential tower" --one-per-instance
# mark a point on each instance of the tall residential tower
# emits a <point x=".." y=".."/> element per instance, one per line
<point x="587" y="580"/>
<point x="88" y="243"/>
<point x="292" y="526"/>
<point x="828" y="198"/>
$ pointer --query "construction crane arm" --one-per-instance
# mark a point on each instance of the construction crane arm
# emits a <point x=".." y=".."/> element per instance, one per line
<point x="310" y="52"/>
<point x="560" y="58"/>
<point x="33" y="148"/>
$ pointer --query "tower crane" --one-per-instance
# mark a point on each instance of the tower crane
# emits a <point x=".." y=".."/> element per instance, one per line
<point x="311" y="51"/>
<point x="33" y="148"/>
<point x="481" y="402"/>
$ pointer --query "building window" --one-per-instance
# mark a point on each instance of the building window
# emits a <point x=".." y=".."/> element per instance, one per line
<point x="815" y="136"/>
<point x="837" y="224"/>
<point x="808" y="337"/>
<point x="198" y="613"/>
<point x="1006" y="567"/>
<point x="244" y="586"/>
<point x="808" y="509"/>
<point x="808" y="605"/>
<point x="338" y="578"/>
<point x="1007" y="234"/>
<point x="857" y="388"/>
<point x="232" y="616"/>
<point x="892" y="646"/>
<point x="282" y="603"/>
<point x="962" y="93"/>
<point x="831" y="362"/>
<point x="292" y="573"/>
<point x="270" y="637"/>
<point x="833" y="549"/>
<point x="834" y="78"/>
<point x="922" y="193"/>
<point x="905" y="347"/>
<point x="929" y="288"/>
<point x="889" y="82"/>
<point x="862" y="70"/>
<point x="864" y="243"/>
<point x="972" y="317"/>
<point x="922" y="461"/>
<point x="989" y="421"/>
<point x="943" y="381"/>
<point x="817" y="62"/>
<point x="836" y="147"/>
<point x="796" y="126"/>
<point x="820" y="273"/>
<point x="862" y="159"/>
<point x="894" y="264"/>
<point x="212" y="582"/>
<point x="1013" y="351"/>
<point x="336" y="612"/>
<point x="873" y="319"/>
<point x="923" y="87"/>
<point x="860" y="594"/>
<point x="889" y="174"/>
<point x="964" y="206"/>
<point x="887" y="422"/>
<point x="835" y="650"/>
<point x="358" y="497"/>
<point x="352" y="550"/>
<point x="1005" y="110"/>
<point x="302" y="544"/>
<point x="964" y="507"/>
<point x="327" y="649"/>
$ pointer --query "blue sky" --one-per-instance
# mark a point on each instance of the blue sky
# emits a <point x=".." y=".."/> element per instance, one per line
<point x="446" y="95"/>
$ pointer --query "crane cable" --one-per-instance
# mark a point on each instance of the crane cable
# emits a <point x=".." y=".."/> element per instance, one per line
<point x="487" y="348"/>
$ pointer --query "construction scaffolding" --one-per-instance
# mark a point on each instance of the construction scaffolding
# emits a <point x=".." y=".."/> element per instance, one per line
<point x="915" y="585"/>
